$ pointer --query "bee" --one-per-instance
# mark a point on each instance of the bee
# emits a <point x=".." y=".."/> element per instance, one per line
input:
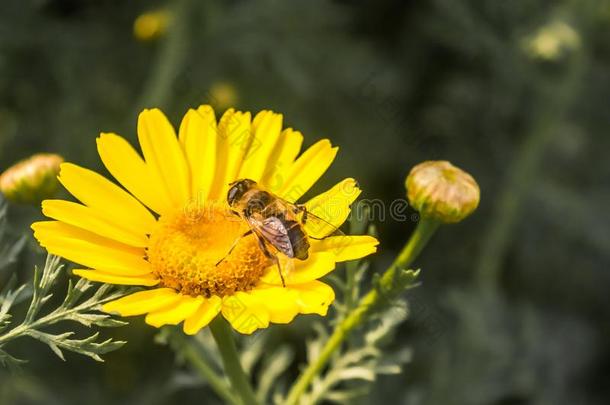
<point x="278" y="224"/>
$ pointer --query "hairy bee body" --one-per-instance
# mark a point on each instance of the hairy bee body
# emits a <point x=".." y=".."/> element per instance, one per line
<point x="272" y="219"/>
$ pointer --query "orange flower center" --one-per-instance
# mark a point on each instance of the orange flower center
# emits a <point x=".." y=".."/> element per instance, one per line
<point x="186" y="246"/>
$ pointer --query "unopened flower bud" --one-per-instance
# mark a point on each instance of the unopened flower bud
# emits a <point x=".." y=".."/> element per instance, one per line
<point x="31" y="180"/>
<point x="441" y="191"/>
<point x="151" y="25"/>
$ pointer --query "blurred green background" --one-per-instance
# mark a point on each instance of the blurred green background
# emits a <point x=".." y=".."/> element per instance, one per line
<point x="514" y="304"/>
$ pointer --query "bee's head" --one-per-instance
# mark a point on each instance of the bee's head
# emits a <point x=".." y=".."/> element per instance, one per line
<point x="238" y="189"/>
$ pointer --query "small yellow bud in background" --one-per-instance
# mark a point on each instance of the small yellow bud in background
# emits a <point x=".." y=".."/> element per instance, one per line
<point x="551" y="41"/>
<point x="31" y="180"/>
<point x="441" y="191"/>
<point x="222" y="95"/>
<point x="151" y="25"/>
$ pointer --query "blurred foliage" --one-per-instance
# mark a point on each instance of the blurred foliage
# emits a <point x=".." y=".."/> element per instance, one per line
<point x="513" y="308"/>
<point x="10" y="247"/>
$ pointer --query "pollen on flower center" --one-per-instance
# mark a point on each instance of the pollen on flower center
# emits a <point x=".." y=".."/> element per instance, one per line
<point x="185" y="247"/>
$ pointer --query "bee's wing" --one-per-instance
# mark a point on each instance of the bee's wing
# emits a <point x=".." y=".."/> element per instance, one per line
<point x="316" y="227"/>
<point x="274" y="231"/>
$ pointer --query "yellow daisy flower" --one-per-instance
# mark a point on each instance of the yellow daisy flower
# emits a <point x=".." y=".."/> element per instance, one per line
<point x="170" y="224"/>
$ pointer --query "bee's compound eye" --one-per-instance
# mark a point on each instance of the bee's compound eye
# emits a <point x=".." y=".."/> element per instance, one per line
<point x="232" y="195"/>
<point x="238" y="189"/>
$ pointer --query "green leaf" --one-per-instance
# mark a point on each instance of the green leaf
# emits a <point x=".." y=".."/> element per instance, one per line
<point x="88" y="346"/>
<point x="81" y="304"/>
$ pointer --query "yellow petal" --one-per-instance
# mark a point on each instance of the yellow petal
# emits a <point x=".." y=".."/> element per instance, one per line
<point x="348" y="247"/>
<point x="266" y="128"/>
<point x="301" y="271"/>
<point x="234" y="137"/>
<point x="281" y="303"/>
<point x="314" y="297"/>
<point x="142" y="302"/>
<point x="203" y="315"/>
<point x="198" y="135"/>
<point x="97" y="192"/>
<point x="285" y="152"/>
<point x="174" y="314"/>
<point x="89" y="249"/>
<point x="96" y="275"/>
<point x="93" y="220"/>
<point x="245" y="312"/>
<point x="128" y="168"/>
<point x="332" y="206"/>
<point x="260" y="117"/>
<point x="307" y="169"/>
<point x="164" y="155"/>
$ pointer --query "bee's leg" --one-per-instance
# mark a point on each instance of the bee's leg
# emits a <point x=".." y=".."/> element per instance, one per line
<point x="303" y="209"/>
<point x="235" y="242"/>
<point x="279" y="269"/>
<point x="314" y="238"/>
<point x="269" y="255"/>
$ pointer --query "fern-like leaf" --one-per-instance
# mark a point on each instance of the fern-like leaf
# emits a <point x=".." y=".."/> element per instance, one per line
<point x="81" y="304"/>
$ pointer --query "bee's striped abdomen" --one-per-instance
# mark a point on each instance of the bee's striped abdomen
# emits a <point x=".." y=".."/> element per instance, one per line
<point x="298" y="238"/>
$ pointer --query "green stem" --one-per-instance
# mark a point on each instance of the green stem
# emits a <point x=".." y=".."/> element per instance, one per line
<point x="193" y="355"/>
<point x="13" y="334"/>
<point x="391" y="284"/>
<point x="420" y="237"/>
<point x="223" y="335"/>
<point x="25" y="328"/>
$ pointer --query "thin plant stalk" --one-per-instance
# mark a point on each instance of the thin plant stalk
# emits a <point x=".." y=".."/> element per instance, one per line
<point x="188" y="349"/>
<point x="223" y="335"/>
